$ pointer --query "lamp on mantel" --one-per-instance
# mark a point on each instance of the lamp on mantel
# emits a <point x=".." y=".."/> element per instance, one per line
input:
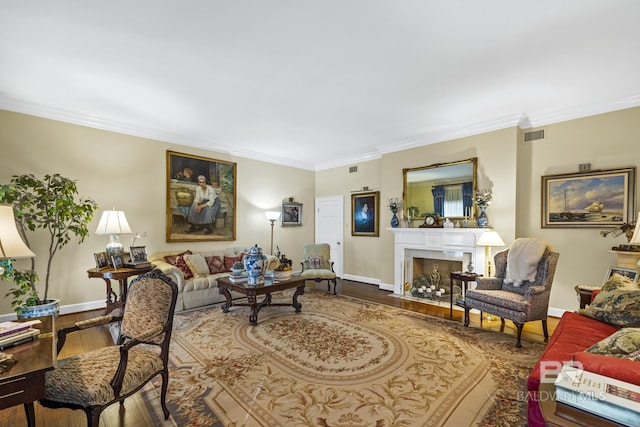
<point x="11" y="244"/>
<point x="113" y="223"/>
<point x="273" y="217"/>
<point x="489" y="239"/>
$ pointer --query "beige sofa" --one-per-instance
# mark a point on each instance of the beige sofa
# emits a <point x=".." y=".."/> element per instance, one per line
<point x="201" y="289"/>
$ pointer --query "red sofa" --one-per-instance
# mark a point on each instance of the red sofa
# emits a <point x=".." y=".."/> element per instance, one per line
<point x="574" y="334"/>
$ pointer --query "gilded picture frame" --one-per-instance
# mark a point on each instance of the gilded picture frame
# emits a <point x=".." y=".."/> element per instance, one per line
<point x="594" y="199"/>
<point x="214" y="220"/>
<point x="365" y="214"/>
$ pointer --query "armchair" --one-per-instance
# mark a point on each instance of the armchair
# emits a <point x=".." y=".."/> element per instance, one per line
<point x="94" y="380"/>
<point x="518" y="302"/>
<point x="317" y="264"/>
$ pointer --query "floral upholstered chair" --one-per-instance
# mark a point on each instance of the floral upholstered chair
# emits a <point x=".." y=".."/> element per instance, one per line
<point x="94" y="380"/>
<point x="317" y="264"/>
<point x="519" y="299"/>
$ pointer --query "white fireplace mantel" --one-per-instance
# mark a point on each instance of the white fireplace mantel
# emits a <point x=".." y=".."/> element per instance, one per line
<point x="444" y="240"/>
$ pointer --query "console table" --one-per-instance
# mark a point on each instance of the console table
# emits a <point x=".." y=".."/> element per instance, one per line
<point x="122" y="275"/>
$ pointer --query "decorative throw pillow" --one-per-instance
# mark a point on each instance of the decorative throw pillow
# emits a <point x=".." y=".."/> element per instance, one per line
<point x="229" y="260"/>
<point x="178" y="261"/>
<point x="315" y="262"/>
<point x="197" y="264"/>
<point x="617" y="303"/>
<point x="624" y="344"/>
<point x="215" y="263"/>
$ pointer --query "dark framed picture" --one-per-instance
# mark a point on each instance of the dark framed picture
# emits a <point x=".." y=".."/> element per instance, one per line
<point x="201" y="198"/>
<point x="291" y="214"/>
<point x="138" y="254"/>
<point x="116" y="261"/>
<point x="626" y="272"/>
<point x="594" y="199"/>
<point x="101" y="260"/>
<point x="365" y="209"/>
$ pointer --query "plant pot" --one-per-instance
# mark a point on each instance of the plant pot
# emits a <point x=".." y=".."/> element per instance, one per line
<point x="51" y="307"/>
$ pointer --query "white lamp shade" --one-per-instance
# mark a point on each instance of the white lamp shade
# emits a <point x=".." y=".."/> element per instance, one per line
<point x="490" y="239"/>
<point x="272" y="215"/>
<point x="635" y="240"/>
<point x="11" y="244"/>
<point x="113" y="222"/>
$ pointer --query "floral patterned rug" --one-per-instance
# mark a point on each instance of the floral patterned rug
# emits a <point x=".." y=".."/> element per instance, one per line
<point x="341" y="362"/>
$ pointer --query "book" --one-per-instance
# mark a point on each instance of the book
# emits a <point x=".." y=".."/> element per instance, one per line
<point x="137" y="264"/>
<point x="238" y="279"/>
<point x="19" y="338"/>
<point x="605" y="397"/>
<point x="10" y="327"/>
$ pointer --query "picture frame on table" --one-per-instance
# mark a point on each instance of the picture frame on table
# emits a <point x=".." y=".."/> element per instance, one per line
<point x="593" y="199"/>
<point x="365" y="218"/>
<point x="216" y="222"/>
<point x="138" y="254"/>
<point x="291" y="214"/>
<point x="626" y="272"/>
<point x="102" y="261"/>
<point x="116" y="262"/>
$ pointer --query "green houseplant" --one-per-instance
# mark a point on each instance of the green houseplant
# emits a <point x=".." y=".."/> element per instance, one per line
<point x="52" y="204"/>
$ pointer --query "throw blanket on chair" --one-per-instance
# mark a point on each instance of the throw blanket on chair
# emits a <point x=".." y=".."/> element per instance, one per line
<point x="522" y="260"/>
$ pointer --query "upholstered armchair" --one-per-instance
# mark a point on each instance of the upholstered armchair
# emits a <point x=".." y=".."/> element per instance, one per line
<point x="317" y="264"/>
<point x="94" y="380"/>
<point x="519" y="301"/>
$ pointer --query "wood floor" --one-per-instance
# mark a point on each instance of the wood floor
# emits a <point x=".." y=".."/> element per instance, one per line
<point x="134" y="412"/>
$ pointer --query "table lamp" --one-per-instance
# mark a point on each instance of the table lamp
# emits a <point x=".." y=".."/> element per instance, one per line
<point x="272" y="216"/>
<point x="113" y="223"/>
<point x="11" y="244"/>
<point x="489" y="239"/>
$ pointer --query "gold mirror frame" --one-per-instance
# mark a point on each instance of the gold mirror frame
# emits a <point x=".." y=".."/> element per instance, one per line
<point x="439" y="173"/>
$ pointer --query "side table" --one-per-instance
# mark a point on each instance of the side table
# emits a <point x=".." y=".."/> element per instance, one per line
<point x="464" y="278"/>
<point x="122" y="275"/>
<point x="584" y="294"/>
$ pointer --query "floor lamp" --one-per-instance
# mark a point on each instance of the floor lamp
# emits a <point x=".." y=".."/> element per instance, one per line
<point x="489" y="239"/>
<point x="272" y="216"/>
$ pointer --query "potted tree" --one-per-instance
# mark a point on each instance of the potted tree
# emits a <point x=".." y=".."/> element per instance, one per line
<point x="51" y="204"/>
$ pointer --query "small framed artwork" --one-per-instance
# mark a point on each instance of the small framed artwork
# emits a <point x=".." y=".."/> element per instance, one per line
<point x="116" y="261"/>
<point x="593" y="199"/>
<point x="291" y="214"/>
<point x="365" y="219"/>
<point x="101" y="260"/>
<point x="138" y="254"/>
<point x="626" y="272"/>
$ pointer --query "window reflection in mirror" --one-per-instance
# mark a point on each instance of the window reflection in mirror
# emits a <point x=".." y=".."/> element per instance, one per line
<point x="444" y="189"/>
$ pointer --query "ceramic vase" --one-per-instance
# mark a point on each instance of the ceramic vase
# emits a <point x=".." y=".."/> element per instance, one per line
<point x="483" y="221"/>
<point x="254" y="264"/>
<point x="394" y="221"/>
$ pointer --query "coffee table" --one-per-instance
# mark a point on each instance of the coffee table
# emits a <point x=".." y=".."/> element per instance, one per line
<point x="225" y="285"/>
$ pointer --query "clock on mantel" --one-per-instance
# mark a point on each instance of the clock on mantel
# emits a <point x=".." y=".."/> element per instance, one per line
<point x="431" y="221"/>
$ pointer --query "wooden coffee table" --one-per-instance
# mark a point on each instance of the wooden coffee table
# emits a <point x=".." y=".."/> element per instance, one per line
<point x="253" y="291"/>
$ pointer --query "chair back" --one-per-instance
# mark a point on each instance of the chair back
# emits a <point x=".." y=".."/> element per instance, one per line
<point x="544" y="273"/>
<point x="151" y="302"/>
<point x="313" y="251"/>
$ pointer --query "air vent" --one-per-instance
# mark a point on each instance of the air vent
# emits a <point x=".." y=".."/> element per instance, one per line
<point x="353" y="169"/>
<point x="534" y="135"/>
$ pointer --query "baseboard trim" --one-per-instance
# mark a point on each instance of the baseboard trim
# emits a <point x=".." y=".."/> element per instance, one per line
<point x="378" y="282"/>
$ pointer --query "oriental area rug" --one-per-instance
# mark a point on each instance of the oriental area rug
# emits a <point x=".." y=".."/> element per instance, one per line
<point x="340" y="362"/>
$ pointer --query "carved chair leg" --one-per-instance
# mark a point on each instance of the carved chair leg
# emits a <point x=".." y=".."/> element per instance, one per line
<point x="466" y="316"/>
<point x="545" y="331"/>
<point x="163" y="394"/>
<point x="519" y="327"/>
<point x="502" y="324"/>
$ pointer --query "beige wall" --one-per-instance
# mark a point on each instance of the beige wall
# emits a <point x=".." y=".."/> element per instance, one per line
<point x="129" y="173"/>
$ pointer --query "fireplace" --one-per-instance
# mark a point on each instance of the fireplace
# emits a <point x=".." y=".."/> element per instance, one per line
<point x="417" y="249"/>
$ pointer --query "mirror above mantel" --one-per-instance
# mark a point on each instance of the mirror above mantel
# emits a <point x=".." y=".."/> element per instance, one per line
<point x="442" y="189"/>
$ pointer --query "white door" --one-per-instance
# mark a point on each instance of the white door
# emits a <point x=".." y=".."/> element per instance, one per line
<point x="330" y="228"/>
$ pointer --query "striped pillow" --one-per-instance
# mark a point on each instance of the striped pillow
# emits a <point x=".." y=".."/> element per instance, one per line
<point x="315" y="262"/>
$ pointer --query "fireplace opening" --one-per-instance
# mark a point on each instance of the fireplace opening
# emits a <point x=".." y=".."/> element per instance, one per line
<point x="431" y="281"/>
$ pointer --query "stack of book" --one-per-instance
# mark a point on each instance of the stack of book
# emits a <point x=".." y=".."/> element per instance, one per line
<point x="137" y="264"/>
<point x="605" y="397"/>
<point x="16" y="333"/>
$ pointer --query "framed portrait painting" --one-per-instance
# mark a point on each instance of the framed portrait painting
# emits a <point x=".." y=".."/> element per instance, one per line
<point x="291" y="214"/>
<point x="201" y="198"/>
<point x="365" y="219"/>
<point x="593" y="199"/>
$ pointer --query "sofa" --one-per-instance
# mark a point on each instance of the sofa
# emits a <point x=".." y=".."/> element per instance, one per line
<point x="195" y="273"/>
<point x="592" y="337"/>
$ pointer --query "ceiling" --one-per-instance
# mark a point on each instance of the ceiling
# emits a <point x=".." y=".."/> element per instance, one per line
<point x="318" y="83"/>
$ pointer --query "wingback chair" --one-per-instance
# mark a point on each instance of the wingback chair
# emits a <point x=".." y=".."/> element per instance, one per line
<point x="317" y="264"/>
<point x="94" y="380"/>
<point x="524" y="303"/>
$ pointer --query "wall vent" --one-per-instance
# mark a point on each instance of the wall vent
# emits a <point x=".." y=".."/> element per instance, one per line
<point x="534" y="135"/>
<point x="353" y="169"/>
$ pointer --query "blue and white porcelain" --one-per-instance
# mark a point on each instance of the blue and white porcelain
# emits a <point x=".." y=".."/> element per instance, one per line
<point x="254" y="264"/>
